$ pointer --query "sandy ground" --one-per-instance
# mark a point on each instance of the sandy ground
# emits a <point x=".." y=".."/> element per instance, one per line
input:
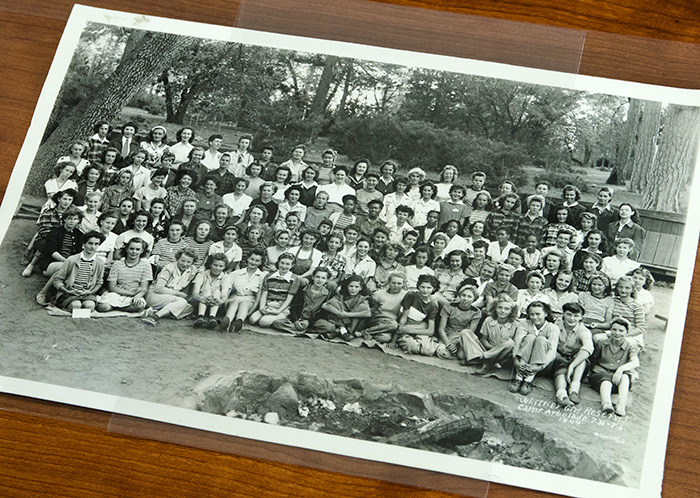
<point x="121" y="356"/>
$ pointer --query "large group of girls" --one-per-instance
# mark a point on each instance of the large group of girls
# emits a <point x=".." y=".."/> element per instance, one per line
<point x="174" y="230"/>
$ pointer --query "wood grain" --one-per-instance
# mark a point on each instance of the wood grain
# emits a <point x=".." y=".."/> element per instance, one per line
<point x="55" y="450"/>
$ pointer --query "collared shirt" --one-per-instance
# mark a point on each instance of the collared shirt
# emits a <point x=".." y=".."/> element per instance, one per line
<point x="571" y="342"/>
<point x="336" y="192"/>
<point x="211" y="161"/>
<point x="608" y="357"/>
<point x="233" y="254"/>
<point x="366" y="267"/>
<point x="279" y="286"/>
<point x="171" y="277"/>
<point x="243" y="283"/>
<point x="449" y="282"/>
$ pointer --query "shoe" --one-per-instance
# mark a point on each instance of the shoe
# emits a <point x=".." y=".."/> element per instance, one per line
<point x="347" y="337"/>
<point x="525" y="388"/>
<point x="237" y="325"/>
<point x="565" y="401"/>
<point x="225" y="323"/>
<point x="574" y="397"/>
<point x="514" y="386"/>
<point x="27" y="272"/>
<point x="199" y="322"/>
<point x="484" y="371"/>
<point x="151" y="319"/>
<point x="608" y="408"/>
<point x="212" y="323"/>
<point x="41" y="299"/>
<point x="620" y="410"/>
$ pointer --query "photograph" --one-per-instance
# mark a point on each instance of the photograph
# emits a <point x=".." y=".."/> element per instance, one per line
<point x="454" y="265"/>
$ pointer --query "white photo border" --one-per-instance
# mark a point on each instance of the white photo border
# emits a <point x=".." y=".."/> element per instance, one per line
<point x="652" y="471"/>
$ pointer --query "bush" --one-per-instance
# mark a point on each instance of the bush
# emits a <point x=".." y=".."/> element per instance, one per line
<point x="559" y="178"/>
<point x="418" y="143"/>
<point x="149" y="102"/>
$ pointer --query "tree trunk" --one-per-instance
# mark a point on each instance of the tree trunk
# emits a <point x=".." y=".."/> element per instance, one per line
<point x="318" y="106"/>
<point x="675" y="158"/>
<point x="625" y="153"/>
<point x="169" y="106"/>
<point x="645" y="147"/>
<point x="147" y="60"/>
<point x="349" y="73"/>
<point x="132" y="42"/>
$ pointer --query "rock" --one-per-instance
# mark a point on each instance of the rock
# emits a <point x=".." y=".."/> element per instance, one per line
<point x="284" y="400"/>
<point x="313" y="386"/>
<point x="214" y="393"/>
<point x="353" y="408"/>
<point x="252" y="386"/>
<point x="271" y="418"/>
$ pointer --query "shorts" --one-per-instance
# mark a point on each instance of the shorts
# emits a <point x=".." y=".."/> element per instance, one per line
<point x="241" y="299"/>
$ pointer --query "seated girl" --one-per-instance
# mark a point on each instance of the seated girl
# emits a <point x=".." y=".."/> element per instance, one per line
<point x="311" y="299"/>
<point x="165" y="250"/>
<point x="625" y="305"/>
<point x="91" y="213"/>
<point x="386" y="263"/>
<point x="574" y="347"/>
<point x="200" y="242"/>
<point x="590" y="266"/>
<point x="168" y="296"/>
<point x="643" y="282"/>
<point x="535" y="347"/>
<point x="187" y="216"/>
<point x="280" y="246"/>
<point x="49" y="218"/>
<point x="333" y="260"/>
<point x="420" y="265"/>
<point x="61" y="242"/>
<point x="343" y="313"/>
<point x="159" y="220"/>
<point x="154" y="190"/>
<point x="560" y="292"/>
<point x="533" y="292"/>
<point x="276" y="293"/>
<point x="500" y="285"/>
<point x="229" y="248"/>
<point x="457" y="320"/>
<point x="81" y="276"/>
<point x="243" y="291"/>
<point x="307" y="257"/>
<point x="597" y="303"/>
<point x="416" y="331"/>
<point x="613" y="360"/>
<point x="137" y="228"/>
<point x="128" y="280"/>
<point x="495" y="342"/>
<point x="386" y="305"/>
<point x="620" y="264"/>
<point x="208" y="291"/>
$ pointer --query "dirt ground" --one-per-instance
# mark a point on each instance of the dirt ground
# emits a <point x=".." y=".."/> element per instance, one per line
<point x="121" y="356"/>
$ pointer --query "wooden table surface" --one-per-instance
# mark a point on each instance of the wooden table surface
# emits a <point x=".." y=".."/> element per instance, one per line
<point x="55" y="450"/>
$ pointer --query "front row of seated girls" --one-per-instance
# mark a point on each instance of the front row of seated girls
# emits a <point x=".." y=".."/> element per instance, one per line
<point x="599" y="333"/>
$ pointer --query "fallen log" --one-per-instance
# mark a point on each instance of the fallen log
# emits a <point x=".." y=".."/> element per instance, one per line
<point x="449" y="431"/>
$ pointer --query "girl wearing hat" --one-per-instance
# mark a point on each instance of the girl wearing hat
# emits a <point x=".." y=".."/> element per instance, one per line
<point x="155" y="145"/>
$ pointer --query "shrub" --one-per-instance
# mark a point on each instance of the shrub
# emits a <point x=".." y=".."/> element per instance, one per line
<point x="418" y="143"/>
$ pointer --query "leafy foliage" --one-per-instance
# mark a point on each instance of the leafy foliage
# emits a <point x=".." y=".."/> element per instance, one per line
<point x="420" y="143"/>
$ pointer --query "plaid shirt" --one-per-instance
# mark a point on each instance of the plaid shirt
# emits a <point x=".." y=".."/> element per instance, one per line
<point x="549" y="234"/>
<point x="175" y="198"/>
<point x="96" y="149"/>
<point x="528" y="226"/>
<point x="498" y="219"/>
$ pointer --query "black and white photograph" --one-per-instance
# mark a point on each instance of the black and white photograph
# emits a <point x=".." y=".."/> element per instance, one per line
<point x="453" y="265"/>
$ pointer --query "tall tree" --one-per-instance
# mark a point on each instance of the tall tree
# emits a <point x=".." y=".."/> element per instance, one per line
<point x="645" y="146"/>
<point x="625" y="153"/>
<point x="318" y="105"/>
<point x="677" y="154"/>
<point x="153" y="52"/>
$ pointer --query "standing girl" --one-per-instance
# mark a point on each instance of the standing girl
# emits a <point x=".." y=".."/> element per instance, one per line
<point x="155" y="146"/>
